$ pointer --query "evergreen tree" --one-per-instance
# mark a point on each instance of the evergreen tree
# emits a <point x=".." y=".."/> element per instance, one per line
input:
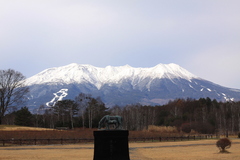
<point x="23" y="117"/>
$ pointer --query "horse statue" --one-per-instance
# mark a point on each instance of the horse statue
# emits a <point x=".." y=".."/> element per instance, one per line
<point x="108" y="120"/>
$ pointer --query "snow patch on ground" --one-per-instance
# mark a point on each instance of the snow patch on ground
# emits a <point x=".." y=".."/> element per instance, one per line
<point x="227" y="98"/>
<point x="209" y="89"/>
<point x="190" y="86"/>
<point x="58" y="96"/>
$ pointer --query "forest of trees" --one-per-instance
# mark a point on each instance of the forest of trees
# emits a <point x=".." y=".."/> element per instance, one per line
<point x="203" y="116"/>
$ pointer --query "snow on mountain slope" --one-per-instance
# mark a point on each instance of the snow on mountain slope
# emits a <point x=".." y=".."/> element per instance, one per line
<point x="77" y="73"/>
<point x="57" y="97"/>
<point x="123" y="85"/>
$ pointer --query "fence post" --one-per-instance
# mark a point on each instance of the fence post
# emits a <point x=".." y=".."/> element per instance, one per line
<point x="160" y="139"/>
<point x="35" y="141"/>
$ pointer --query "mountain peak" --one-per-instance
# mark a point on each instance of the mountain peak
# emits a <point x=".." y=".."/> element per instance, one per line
<point x="124" y="84"/>
<point x="87" y="73"/>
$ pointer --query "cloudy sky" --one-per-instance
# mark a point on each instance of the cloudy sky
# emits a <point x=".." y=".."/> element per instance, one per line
<point x="202" y="36"/>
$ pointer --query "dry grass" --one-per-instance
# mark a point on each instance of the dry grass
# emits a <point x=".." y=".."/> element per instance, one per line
<point x="162" y="129"/>
<point x="18" y="132"/>
<point x="183" y="150"/>
<point x="59" y="152"/>
<point x="188" y="150"/>
<point x="47" y="134"/>
<point x="21" y="128"/>
<point x="156" y="131"/>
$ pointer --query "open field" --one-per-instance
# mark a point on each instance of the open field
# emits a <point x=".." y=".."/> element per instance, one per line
<point x="36" y="135"/>
<point x="21" y="128"/>
<point x="187" y="150"/>
<point x="182" y="150"/>
<point x="20" y="132"/>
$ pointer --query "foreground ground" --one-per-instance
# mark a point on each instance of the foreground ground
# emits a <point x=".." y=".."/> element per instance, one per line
<point x="188" y="150"/>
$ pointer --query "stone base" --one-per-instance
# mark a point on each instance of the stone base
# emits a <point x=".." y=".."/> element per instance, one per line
<point x="111" y="145"/>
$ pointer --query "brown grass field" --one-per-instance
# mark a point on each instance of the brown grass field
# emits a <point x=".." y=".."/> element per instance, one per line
<point x="19" y="132"/>
<point x="187" y="150"/>
<point x="181" y="150"/>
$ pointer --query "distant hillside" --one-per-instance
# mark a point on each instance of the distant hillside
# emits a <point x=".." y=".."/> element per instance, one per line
<point x="123" y="85"/>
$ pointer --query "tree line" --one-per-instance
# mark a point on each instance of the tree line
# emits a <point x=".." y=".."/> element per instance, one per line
<point x="85" y="111"/>
<point x="203" y="115"/>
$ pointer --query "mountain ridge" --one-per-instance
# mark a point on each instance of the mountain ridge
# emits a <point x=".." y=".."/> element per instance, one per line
<point x="124" y="84"/>
<point x="109" y="74"/>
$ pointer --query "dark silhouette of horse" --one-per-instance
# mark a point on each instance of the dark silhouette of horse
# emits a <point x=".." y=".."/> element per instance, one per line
<point x="107" y="120"/>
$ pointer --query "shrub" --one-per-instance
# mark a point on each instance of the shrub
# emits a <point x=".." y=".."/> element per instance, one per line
<point x="186" y="127"/>
<point x="223" y="144"/>
<point x="162" y="129"/>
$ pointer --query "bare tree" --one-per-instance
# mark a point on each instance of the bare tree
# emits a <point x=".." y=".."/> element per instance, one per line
<point x="90" y="110"/>
<point x="65" y="111"/>
<point x="82" y="101"/>
<point x="12" y="90"/>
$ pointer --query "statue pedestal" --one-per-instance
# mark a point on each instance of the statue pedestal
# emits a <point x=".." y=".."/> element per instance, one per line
<point x="111" y="145"/>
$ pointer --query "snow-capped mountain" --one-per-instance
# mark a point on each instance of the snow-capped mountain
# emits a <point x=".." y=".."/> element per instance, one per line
<point x="123" y="85"/>
<point x="75" y="73"/>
